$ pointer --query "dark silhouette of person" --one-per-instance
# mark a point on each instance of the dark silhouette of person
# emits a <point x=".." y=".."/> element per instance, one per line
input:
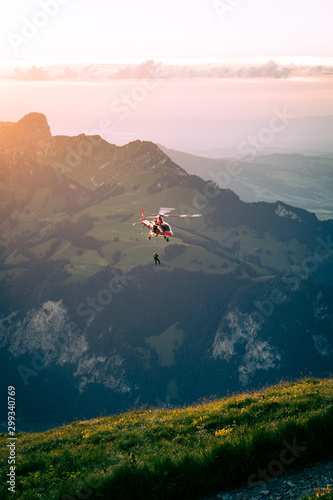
<point x="156" y="258"/>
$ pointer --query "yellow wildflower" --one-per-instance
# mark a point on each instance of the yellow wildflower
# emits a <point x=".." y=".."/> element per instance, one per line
<point x="222" y="432"/>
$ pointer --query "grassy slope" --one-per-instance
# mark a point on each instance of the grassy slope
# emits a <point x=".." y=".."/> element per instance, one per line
<point x="127" y="245"/>
<point x="326" y="494"/>
<point x="209" y="249"/>
<point x="176" y="453"/>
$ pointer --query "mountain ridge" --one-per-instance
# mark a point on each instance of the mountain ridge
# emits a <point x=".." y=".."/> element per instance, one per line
<point x="238" y="291"/>
<point x="32" y="131"/>
<point x="291" y="178"/>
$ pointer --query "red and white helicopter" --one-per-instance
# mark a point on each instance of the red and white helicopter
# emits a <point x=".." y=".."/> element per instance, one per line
<point x="158" y="227"/>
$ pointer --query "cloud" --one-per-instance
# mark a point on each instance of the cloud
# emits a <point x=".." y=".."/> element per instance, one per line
<point x="150" y="69"/>
<point x="140" y="71"/>
<point x="36" y="74"/>
<point x="32" y="74"/>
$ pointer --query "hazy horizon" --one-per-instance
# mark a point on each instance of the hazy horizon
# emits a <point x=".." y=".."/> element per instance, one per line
<point x="192" y="75"/>
<point x="193" y="115"/>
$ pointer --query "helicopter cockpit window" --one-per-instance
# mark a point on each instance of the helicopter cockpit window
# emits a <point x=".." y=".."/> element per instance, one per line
<point x="165" y="227"/>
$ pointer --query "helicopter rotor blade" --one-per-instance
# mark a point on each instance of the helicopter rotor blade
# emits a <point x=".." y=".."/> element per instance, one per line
<point x="165" y="210"/>
<point x="185" y="215"/>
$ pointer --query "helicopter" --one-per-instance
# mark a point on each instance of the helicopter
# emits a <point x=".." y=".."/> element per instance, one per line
<point x="158" y="227"/>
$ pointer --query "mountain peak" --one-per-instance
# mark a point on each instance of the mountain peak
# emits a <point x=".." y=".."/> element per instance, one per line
<point x="33" y="117"/>
<point x="35" y="123"/>
<point x="31" y="132"/>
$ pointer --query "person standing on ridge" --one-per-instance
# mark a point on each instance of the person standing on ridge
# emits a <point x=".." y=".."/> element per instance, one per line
<point x="156" y="258"/>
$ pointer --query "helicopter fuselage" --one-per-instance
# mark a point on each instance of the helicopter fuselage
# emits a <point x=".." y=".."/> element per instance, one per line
<point x="158" y="227"/>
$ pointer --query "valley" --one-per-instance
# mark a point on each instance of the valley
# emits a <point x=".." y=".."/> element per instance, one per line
<point x="243" y="296"/>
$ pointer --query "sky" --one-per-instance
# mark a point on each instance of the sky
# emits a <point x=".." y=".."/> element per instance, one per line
<point x="146" y="67"/>
<point x="91" y="30"/>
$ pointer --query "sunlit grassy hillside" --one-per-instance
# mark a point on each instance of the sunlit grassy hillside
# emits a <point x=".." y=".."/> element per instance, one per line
<point x="322" y="494"/>
<point x="184" y="453"/>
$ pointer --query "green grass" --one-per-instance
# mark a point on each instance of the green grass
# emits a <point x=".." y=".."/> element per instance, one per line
<point x="207" y="249"/>
<point x="184" y="453"/>
<point x="321" y="494"/>
<point x="41" y="249"/>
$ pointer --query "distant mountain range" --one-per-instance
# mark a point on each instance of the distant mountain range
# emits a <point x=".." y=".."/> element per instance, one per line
<point x="302" y="181"/>
<point x="89" y="324"/>
<point x="307" y="135"/>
